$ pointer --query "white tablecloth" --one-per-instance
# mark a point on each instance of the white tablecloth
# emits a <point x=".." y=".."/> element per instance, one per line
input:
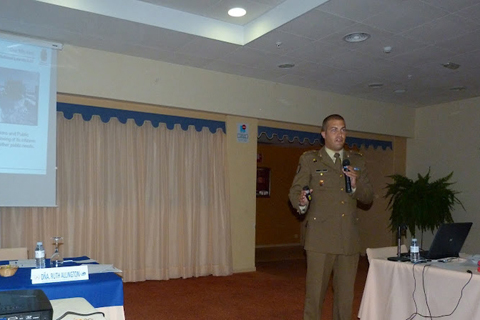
<point x="392" y="293"/>
<point x="81" y="306"/>
<point x="113" y="313"/>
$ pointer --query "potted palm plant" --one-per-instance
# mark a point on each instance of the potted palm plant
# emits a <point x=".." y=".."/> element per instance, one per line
<point x="420" y="204"/>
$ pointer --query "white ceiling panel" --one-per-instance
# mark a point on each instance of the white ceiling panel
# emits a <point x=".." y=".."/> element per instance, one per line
<point x="254" y="58"/>
<point x="316" y="24"/>
<point x="471" y="12"/>
<point x="449" y="27"/>
<point x="405" y="15"/>
<point x="424" y="55"/>
<point x="462" y="44"/>
<point x="422" y="34"/>
<point x="279" y="42"/>
<point x="452" y="6"/>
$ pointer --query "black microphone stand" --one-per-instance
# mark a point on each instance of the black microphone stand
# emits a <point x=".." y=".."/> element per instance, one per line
<point x="399" y="256"/>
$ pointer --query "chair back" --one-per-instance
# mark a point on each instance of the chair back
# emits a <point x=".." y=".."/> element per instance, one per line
<point x="384" y="252"/>
<point x="13" y="254"/>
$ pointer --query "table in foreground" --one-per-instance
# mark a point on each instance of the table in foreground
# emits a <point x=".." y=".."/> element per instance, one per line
<point x="104" y="291"/>
<point x="399" y="290"/>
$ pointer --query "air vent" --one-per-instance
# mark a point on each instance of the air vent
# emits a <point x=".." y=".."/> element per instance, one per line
<point x="356" y="37"/>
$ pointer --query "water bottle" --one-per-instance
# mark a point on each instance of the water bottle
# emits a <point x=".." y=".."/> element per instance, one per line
<point x="39" y="256"/>
<point x="414" y="251"/>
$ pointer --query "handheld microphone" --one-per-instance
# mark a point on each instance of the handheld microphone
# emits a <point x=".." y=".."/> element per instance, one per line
<point x="307" y="193"/>
<point x="348" y="182"/>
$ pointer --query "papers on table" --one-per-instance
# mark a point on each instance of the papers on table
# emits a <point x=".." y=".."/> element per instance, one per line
<point x="475" y="258"/>
<point x="82" y="261"/>
<point x="456" y="264"/>
<point x="102" y="268"/>
<point x="93" y="267"/>
<point x="23" y="263"/>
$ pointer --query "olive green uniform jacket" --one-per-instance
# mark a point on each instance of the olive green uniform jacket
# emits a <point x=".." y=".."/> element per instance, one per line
<point x="331" y="222"/>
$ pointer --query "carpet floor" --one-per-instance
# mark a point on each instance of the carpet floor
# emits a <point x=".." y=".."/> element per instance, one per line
<point x="276" y="290"/>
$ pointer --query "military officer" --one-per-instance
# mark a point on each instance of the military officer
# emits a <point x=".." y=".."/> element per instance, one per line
<point x="331" y="237"/>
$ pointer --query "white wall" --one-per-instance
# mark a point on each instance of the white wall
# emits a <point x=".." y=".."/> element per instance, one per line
<point x="446" y="140"/>
<point x="242" y="192"/>
<point x="101" y="74"/>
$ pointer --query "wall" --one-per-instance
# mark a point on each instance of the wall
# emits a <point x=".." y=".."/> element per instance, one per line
<point x="98" y="74"/>
<point x="277" y="224"/>
<point x="446" y="141"/>
<point x="241" y="157"/>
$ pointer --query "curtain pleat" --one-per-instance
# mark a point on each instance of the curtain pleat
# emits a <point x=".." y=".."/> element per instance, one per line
<point x="154" y="202"/>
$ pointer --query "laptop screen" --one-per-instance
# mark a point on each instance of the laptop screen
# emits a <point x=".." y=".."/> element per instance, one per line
<point x="448" y="240"/>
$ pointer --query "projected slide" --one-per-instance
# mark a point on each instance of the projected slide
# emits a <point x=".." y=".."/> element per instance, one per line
<point x="24" y="108"/>
<point x="18" y="96"/>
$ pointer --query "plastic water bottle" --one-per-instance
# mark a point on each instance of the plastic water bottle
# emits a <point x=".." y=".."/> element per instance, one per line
<point x="39" y="256"/>
<point x="414" y="251"/>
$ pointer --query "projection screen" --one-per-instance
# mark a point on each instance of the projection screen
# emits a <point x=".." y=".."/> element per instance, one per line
<point x="27" y="122"/>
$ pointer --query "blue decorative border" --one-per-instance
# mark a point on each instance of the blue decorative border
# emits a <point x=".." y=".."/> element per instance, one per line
<point x="105" y="114"/>
<point x="312" y="138"/>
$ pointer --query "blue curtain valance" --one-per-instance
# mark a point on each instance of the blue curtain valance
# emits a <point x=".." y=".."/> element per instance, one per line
<point x="316" y="138"/>
<point x="105" y="114"/>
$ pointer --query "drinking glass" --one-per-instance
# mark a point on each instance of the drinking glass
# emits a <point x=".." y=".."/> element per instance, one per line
<point x="56" y="260"/>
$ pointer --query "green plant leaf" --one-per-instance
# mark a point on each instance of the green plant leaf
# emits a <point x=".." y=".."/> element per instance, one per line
<point x="420" y="204"/>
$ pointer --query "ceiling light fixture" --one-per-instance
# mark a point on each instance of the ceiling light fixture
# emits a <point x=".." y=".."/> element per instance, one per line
<point x="237" y="12"/>
<point x="375" y="85"/>
<point x="286" y="65"/>
<point x="459" y="88"/>
<point x="400" y="91"/>
<point x="451" y="65"/>
<point x="356" y="37"/>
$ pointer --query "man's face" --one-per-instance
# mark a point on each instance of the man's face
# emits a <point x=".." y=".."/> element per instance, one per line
<point x="335" y="134"/>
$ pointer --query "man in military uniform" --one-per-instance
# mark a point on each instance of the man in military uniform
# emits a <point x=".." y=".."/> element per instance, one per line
<point x="331" y="238"/>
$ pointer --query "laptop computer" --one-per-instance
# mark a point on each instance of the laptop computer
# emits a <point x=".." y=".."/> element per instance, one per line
<point x="448" y="241"/>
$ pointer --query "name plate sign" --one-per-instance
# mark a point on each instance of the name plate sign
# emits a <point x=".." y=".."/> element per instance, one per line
<point x="61" y="274"/>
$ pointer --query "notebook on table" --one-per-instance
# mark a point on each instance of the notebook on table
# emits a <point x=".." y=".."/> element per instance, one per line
<point x="448" y="241"/>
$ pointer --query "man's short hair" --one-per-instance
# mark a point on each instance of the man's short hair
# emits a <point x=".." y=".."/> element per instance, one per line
<point x="331" y="117"/>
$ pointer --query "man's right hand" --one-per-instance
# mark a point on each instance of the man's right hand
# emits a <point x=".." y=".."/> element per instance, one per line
<point x="302" y="199"/>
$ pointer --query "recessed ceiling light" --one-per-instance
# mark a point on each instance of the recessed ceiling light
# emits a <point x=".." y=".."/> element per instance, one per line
<point x="375" y="85"/>
<point x="237" y="12"/>
<point x="286" y="65"/>
<point x="459" y="88"/>
<point x="356" y="37"/>
<point x="451" y="65"/>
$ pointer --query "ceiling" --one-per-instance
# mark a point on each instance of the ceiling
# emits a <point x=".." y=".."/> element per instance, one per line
<point x="423" y="36"/>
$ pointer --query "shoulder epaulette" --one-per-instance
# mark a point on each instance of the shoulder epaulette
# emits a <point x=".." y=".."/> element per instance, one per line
<point x="357" y="153"/>
<point x="354" y="153"/>
<point x="311" y="151"/>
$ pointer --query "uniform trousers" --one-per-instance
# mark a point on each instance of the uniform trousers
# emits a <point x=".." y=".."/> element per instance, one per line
<point x="319" y="270"/>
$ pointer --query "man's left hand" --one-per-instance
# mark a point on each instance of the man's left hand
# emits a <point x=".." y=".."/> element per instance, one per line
<point x="352" y="174"/>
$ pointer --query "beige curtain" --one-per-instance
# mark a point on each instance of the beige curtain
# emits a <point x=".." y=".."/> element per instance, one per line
<point x="151" y="201"/>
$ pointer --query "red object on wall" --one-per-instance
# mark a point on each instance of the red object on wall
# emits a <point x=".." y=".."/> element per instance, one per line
<point x="263" y="182"/>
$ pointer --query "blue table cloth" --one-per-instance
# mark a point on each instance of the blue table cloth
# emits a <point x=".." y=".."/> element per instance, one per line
<point x="101" y="290"/>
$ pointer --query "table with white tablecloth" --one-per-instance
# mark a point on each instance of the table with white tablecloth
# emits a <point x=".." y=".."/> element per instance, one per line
<point x="399" y="290"/>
